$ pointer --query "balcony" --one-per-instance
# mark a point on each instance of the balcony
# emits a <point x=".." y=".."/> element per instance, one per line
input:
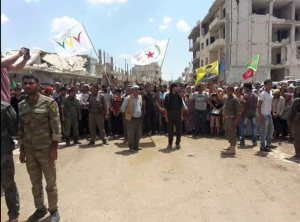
<point x="197" y="59"/>
<point x="216" y="24"/>
<point x="194" y="45"/>
<point x="218" y="44"/>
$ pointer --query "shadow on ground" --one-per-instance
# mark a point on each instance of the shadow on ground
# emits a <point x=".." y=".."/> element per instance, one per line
<point x="293" y="159"/>
<point x="167" y="150"/>
<point x="126" y="153"/>
<point x="261" y="154"/>
<point x="226" y="156"/>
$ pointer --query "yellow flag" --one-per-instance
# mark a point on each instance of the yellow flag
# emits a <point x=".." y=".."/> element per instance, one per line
<point x="208" y="72"/>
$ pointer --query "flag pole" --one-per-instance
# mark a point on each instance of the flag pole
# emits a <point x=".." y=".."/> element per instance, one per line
<point x="257" y="69"/>
<point x="164" y="56"/>
<point x="91" y="42"/>
<point x="96" y="52"/>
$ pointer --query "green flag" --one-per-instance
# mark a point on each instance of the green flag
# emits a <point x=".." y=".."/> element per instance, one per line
<point x="13" y="84"/>
<point x="254" y="63"/>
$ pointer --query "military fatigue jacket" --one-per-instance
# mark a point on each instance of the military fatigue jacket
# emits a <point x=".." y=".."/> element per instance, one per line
<point x="294" y="113"/>
<point x="9" y="127"/>
<point x="232" y="106"/>
<point x="39" y="123"/>
<point x="98" y="104"/>
<point x="71" y="107"/>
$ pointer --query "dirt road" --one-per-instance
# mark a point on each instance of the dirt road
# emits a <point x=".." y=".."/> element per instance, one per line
<point x="194" y="184"/>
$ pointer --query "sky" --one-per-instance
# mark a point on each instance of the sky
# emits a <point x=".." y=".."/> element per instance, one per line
<point x="119" y="27"/>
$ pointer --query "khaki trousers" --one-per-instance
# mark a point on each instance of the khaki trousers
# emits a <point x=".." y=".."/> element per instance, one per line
<point x="96" y="120"/>
<point x="38" y="164"/>
<point x="230" y="130"/>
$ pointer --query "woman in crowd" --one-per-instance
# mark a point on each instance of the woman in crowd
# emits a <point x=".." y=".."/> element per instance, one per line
<point x="189" y="114"/>
<point x="278" y="105"/>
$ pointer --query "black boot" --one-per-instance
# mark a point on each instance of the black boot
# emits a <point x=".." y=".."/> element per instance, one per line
<point x="91" y="143"/>
<point x="54" y="217"/>
<point x="68" y="142"/>
<point x="38" y="214"/>
<point x="76" y="142"/>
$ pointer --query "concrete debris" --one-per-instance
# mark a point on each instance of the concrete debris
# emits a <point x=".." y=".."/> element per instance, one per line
<point x="52" y="62"/>
<point x="68" y="64"/>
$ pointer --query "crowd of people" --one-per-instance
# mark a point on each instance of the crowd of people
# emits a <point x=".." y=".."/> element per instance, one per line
<point x="41" y="116"/>
<point x="263" y="109"/>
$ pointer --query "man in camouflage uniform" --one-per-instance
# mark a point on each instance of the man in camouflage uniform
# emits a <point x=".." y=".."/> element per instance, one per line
<point x="9" y="128"/>
<point x="39" y="134"/>
<point x="232" y="112"/>
<point x="71" y="115"/>
<point x="98" y="111"/>
<point x="294" y="119"/>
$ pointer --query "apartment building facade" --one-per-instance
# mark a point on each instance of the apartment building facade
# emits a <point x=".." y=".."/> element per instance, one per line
<point x="148" y="73"/>
<point x="237" y="30"/>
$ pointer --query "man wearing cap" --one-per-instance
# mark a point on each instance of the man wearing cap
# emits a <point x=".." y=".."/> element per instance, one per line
<point x="174" y="115"/>
<point x="132" y="107"/>
<point x="232" y="113"/>
<point x="48" y="91"/>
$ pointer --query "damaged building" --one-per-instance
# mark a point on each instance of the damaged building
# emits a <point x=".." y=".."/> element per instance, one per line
<point x="50" y="68"/>
<point x="237" y="30"/>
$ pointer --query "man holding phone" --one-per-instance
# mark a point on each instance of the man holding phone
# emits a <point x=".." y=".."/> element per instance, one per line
<point x="9" y="65"/>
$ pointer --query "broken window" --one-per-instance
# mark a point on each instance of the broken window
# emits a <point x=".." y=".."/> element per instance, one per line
<point x="202" y="46"/>
<point x="297" y="34"/>
<point x="224" y="13"/>
<point x="202" y="63"/>
<point x="206" y="61"/>
<point x="260" y="8"/>
<point x="283" y="10"/>
<point x="281" y="34"/>
<point x="207" y="42"/>
<point x="297" y="17"/>
<point x="212" y="40"/>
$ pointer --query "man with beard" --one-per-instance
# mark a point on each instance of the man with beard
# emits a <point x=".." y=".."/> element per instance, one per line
<point x="39" y="134"/>
<point x="174" y="115"/>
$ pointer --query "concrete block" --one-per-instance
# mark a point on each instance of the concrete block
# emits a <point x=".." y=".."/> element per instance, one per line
<point x="260" y="33"/>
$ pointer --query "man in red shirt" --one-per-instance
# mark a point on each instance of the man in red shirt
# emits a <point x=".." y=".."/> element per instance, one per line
<point x="9" y="65"/>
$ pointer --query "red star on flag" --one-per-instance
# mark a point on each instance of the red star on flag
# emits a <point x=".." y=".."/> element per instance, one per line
<point x="150" y="54"/>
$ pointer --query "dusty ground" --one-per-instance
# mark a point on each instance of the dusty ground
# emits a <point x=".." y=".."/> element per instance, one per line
<point x="195" y="184"/>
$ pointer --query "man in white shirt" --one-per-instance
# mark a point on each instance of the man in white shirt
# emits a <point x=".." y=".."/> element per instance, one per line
<point x="265" y="117"/>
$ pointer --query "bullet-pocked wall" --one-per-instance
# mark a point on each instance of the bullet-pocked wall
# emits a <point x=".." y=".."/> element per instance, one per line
<point x="262" y="27"/>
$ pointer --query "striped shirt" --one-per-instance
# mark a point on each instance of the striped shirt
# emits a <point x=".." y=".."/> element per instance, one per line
<point x="5" y="85"/>
<point x="116" y="103"/>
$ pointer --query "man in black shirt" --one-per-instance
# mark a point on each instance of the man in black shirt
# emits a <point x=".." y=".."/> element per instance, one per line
<point x="17" y="99"/>
<point x="150" y="110"/>
<point x="174" y="115"/>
